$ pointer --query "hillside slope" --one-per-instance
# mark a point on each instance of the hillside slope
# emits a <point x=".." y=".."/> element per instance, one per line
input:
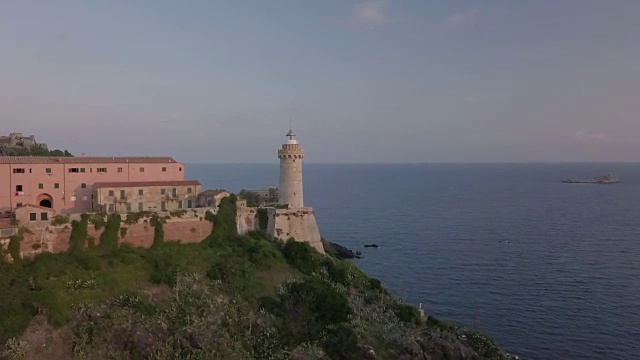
<point x="228" y="297"/>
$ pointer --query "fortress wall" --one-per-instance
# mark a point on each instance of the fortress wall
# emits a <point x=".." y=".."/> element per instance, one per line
<point x="246" y="218"/>
<point x="56" y="238"/>
<point x="299" y="224"/>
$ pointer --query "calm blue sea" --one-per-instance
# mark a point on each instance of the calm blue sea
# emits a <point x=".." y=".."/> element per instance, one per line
<point x="549" y="270"/>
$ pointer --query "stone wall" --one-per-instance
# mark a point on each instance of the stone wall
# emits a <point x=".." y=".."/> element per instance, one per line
<point x="191" y="228"/>
<point x="246" y="217"/>
<point x="299" y="223"/>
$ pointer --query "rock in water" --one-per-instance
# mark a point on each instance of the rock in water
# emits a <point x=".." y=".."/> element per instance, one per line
<point x="340" y="251"/>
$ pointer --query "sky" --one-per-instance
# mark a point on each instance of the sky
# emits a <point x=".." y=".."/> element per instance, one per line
<point x="362" y="81"/>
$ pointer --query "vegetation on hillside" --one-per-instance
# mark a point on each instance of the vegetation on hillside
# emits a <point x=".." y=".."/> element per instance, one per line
<point x="228" y="297"/>
<point x="32" y="151"/>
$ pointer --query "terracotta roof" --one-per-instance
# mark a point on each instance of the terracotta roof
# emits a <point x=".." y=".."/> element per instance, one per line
<point x="84" y="159"/>
<point x="146" y="183"/>
<point x="213" y="192"/>
<point x="35" y="206"/>
<point x="5" y="223"/>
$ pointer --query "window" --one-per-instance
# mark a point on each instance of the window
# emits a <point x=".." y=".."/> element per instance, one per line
<point x="33" y="216"/>
<point x="140" y="207"/>
<point x="56" y="186"/>
<point x="101" y="170"/>
<point x="47" y="170"/>
<point x="73" y="198"/>
<point x="74" y="170"/>
<point x="40" y="186"/>
<point x="43" y="216"/>
<point x="19" y="205"/>
<point x="174" y="192"/>
<point x="188" y="190"/>
<point x="110" y="192"/>
<point x="141" y="169"/>
<point x="112" y="207"/>
<point x="128" y="207"/>
<point x="81" y="170"/>
<point x="85" y="197"/>
<point x="140" y="192"/>
<point x="18" y="171"/>
<point x="119" y="169"/>
<point x="163" y="205"/>
<point x="179" y="169"/>
<point x="29" y="170"/>
<point x="19" y="188"/>
<point x="83" y="185"/>
<point x="189" y="204"/>
<point x="161" y="191"/>
<point x="122" y="195"/>
<point x="164" y="169"/>
<point x="180" y="204"/>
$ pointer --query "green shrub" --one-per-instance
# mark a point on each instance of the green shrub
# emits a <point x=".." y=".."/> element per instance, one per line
<point x="178" y="213"/>
<point x="407" y="313"/>
<point x="307" y="308"/>
<point x="341" y="342"/>
<point x="300" y="255"/>
<point x="109" y="237"/>
<point x="97" y="220"/>
<point x="135" y="217"/>
<point x="59" y="220"/>
<point x="158" y="230"/>
<point x="224" y="223"/>
<point x="78" y="238"/>
<point x="14" y="247"/>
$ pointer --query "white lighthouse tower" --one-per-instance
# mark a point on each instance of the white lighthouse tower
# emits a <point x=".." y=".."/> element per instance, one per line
<point x="291" y="155"/>
<point x="296" y="221"/>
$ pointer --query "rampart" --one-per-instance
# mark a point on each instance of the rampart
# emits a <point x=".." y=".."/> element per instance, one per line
<point x="187" y="227"/>
<point x="298" y="223"/>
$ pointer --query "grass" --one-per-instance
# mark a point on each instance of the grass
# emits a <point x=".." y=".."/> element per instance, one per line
<point x="275" y="298"/>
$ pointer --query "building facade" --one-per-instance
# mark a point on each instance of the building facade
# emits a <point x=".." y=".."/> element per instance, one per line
<point x="145" y="196"/>
<point x="65" y="184"/>
<point x="211" y="198"/>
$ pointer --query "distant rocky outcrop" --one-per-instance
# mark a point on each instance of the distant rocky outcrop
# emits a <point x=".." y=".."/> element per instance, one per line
<point x="340" y="251"/>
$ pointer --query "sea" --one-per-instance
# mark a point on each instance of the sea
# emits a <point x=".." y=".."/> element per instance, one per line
<point x="547" y="269"/>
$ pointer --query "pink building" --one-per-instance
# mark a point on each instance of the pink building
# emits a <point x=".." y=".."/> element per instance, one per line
<point x="65" y="183"/>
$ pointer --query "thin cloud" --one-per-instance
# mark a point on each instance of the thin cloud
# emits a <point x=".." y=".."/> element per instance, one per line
<point x="464" y="17"/>
<point x="584" y="135"/>
<point x="370" y="12"/>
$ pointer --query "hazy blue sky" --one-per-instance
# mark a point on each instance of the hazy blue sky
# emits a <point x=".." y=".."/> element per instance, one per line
<point x="365" y="81"/>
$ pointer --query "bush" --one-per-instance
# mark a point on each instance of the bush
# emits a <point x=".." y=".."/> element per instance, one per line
<point x="300" y="255"/>
<point x="109" y="237"/>
<point x="158" y="230"/>
<point x="78" y="238"/>
<point x="407" y="313"/>
<point x="307" y="308"/>
<point x="14" y="247"/>
<point x="224" y="223"/>
<point x="97" y="220"/>
<point x="341" y="342"/>
<point x="59" y="220"/>
<point x="178" y="213"/>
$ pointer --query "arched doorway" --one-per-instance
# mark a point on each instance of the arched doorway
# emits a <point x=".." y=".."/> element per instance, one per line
<point x="45" y="200"/>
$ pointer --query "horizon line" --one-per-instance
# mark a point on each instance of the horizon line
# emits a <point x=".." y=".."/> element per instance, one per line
<point x="421" y="163"/>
